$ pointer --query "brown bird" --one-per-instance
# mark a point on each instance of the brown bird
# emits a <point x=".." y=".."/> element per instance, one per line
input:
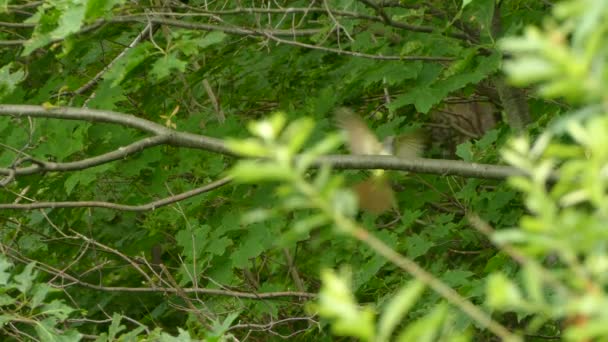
<point x="375" y="194"/>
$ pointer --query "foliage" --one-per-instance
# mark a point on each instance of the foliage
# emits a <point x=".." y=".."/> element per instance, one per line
<point x="163" y="170"/>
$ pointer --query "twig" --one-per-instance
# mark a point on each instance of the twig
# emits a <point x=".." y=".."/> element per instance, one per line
<point x="97" y="77"/>
<point x="122" y="207"/>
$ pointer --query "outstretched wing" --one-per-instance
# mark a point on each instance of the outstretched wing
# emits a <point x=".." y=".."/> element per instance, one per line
<point x="361" y="140"/>
<point x="409" y="145"/>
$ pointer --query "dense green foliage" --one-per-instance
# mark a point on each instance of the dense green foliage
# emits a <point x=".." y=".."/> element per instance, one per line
<point x="164" y="174"/>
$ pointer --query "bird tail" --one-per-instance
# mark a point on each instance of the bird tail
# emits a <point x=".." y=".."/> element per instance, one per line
<point x="375" y="195"/>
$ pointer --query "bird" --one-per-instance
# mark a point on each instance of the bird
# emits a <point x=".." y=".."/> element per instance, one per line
<point x="375" y="194"/>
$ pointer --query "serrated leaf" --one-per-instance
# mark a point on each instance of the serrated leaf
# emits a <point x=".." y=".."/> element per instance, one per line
<point x="100" y="8"/>
<point x="132" y="59"/>
<point x="252" y="245"/>
<point x="193" y="241"/>
<point x="39" y="292"/>
<point x="5" y="265"/>
<point x="25" y="279"/>
<point x="57" y="309"/>
<point x="9" y="80"/>
<point x="211" y="38"/>
<point x="115" y="327"/>
<point x="167" y="65"/>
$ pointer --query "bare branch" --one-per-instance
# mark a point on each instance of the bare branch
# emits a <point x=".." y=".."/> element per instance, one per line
<point x="122" y="207"/>
<point x="360" y="54"/>
<point x="97" y="77"/>
<point x="443" y="167"/>
<point x="120" y="153"/>
<point x="190" y="140"/>
<point x="208" y="27"/>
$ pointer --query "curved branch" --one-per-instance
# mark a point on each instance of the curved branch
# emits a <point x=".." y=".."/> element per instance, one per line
<point x="122" y="207"/>
<point x="174" y="138"/>
<point x="120" y="153"/>
<point x="190" y="140"/>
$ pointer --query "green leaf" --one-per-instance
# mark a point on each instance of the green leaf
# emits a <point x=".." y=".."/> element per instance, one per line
<point x="417" y="246"/>
<point x="305" y="225"/>
<point x="39" y="293"/>
<point x="253" y="244"/>
<point x="57" y="309"/>
<point x="465" y="151"/>
<point x="167" y="65"/>
<point x="100" y="8"/>
<point x="193" y="241"/>
<point x="9" y="80"/>
<point x="211" y="38"/>
<point x="85" y="177"/>
<point x="249" y="171"/>
<point x="248" y="147"/>
<point x="502" y="292"/>
<point x="71" y="19"/>
<point x="397" y="308"/>
<point x="425" y="329"/>
<point x="296" y="134"/>
<point x="25" y="279"/>
<point x="337" y="303"/>
<point x="107" y="96"/>
<point x="115" y="327"/>
<point x="268" y="129"/>
<point x="131" y="60"/>
<point x="5" y="266"/>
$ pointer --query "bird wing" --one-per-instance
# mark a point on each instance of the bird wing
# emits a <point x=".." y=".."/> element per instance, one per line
<point x="409" y="145"/>
<point x="361" y="140"/>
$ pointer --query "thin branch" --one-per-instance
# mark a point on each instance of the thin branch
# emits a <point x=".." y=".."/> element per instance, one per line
<point x="305" y="10"/>
<point x="121" y="153"/>
<point x="97" y="77"/>
<point x="390" y="22"/>
<point x="174" y="138"/>
<point x="11" y="252"/>
<point x="190" y="140"/>
<point x="208" y="27"/>
<point x="444" y="167"/>
<point x="360" y="54"/>
<point x="122" y="207"/>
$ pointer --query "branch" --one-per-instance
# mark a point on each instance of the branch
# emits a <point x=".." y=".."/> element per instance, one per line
<point x="443" y="167"/>
<point x="174" y="138"/>
<point x="122" y="207"/>
<point x="40" y="265"/>
<point x="100" y="74"/>
<point x="121" y="153"/>
<point x="190" y="140"/>
<point x="360" y="54"/>
<point x="244" y="31"/>
<point x="390" y="22"/>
